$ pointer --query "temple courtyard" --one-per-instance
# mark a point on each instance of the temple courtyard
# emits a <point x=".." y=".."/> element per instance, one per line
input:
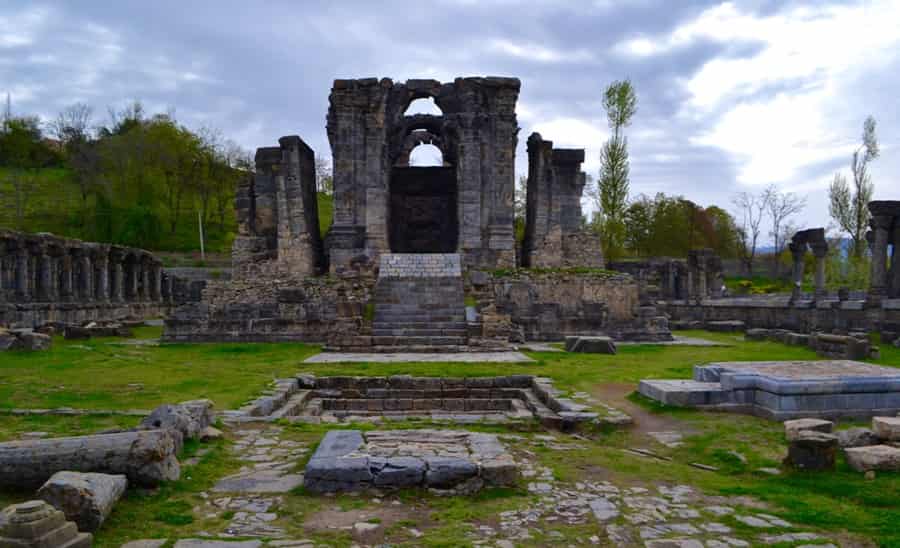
<point x="637" y="473"/>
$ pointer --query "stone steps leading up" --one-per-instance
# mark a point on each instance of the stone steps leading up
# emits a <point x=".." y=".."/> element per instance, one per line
<point x="419" y="303"/>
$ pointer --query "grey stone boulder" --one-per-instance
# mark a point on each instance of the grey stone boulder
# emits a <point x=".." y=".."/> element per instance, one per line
<point x="856" y="437"/>
<point x="445" y="472"/>
<point x="810" y="450"/>
<point x="34" y="341"/>
<point x="591" y="345"/>
<point x="874" y="457"/>
<point x="7" y="340"/>
<point x="886" y="428"/>
<point x="190" y="419"/>
<point x="793" y="428"/>
<point x="85" y="498"/>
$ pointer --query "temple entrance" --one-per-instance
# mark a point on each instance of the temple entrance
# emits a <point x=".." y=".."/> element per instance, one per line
<point x="423" y="210"/>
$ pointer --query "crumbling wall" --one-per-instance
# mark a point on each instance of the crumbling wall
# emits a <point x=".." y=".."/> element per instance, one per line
<point x="277" y="212"/>
<point x="554" y="230"/>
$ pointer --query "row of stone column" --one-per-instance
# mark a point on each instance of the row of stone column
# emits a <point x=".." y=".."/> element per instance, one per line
<point x="884" y="281"/>
<point x="45" y="268"/>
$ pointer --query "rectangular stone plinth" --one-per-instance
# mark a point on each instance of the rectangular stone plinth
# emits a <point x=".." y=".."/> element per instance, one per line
<point x="786" y="389"/>
<point x="350" y="460"/>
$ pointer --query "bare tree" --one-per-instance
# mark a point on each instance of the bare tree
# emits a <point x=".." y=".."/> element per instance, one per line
<point x="72" y="125"/>
<point x="781" y="206"/>
<point x="751" y="209"/>
<point x="850" y="209"/>
<point x="324" y="177"/>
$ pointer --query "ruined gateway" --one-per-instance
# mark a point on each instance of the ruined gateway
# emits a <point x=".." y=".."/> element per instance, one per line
<point x="409" y="246"/>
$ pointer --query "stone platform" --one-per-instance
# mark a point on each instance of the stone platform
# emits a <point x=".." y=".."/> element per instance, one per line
<point x="786" y="389"/>
<point x="351" y="460"/>
<point x="404" y="357"/>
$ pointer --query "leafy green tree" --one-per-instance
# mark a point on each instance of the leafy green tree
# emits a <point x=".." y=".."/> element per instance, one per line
<point x="849" y="208"/>
<point x="23" y="152"/>
<point x="620" y="103"/>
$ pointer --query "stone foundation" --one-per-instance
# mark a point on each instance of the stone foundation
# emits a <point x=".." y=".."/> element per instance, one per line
<point x="350" y="460"/>
<point x="785" y="390"/>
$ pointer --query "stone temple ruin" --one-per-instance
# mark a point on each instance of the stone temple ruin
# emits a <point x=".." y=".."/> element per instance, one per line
<point x="409" y="246"/>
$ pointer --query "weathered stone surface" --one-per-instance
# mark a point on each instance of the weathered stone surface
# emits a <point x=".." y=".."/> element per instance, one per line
<point x="145" y="457"/>
<point x="856" y="437"/>
<point x="591" y="345"/>
<point x="399" y="471"/>
<point x="810" y="450"/>
<point x="886" y="428"/>
<point x="874" y="457"/>
<point x="145" y="543"/>
<point x="85" y="498"/>
<point x="36" y="524"/>
<point x="190" y="418"/>
<point x="34" y="341"/>
<point x="259" y="481"/>
<point x="209" y="543"/>
<point x="793" y="428"/>
<point x="444" y="472"/>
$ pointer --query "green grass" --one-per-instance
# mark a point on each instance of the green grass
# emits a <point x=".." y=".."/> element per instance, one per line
<point x="95" y="374"/>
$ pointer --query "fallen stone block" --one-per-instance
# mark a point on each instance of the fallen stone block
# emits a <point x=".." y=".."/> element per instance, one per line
<point x="726" y="326"/>
<point x="810" y="450"/>
<point x="445" y="472"/>
<point x="189" y="418"/>
<point x="886" y="428"/>
<point x="793" y="428"/>
<point x="85" y="498"/>
<point x="856" y="437"/>
<point x="34" y="341"/>
<point x="37" y="524"/>
<point x="882" y="458"/>
<point x="145" y="457"/>
<point x="7" y="340"/>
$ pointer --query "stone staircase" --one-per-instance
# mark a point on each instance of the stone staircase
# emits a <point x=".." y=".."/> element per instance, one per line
<point x="420" y="303"/>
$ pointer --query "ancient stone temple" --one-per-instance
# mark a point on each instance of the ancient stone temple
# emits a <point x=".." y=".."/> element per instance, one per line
<point x="814" y="239"/>
<point x="408" y="245"/>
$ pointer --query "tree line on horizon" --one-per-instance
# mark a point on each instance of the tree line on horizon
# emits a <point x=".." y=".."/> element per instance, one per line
<point x="137" y="179"/>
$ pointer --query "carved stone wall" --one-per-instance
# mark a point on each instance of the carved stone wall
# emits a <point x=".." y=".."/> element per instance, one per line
<point x="370" y="133"/>
<point x="45" y="278"/>
<point x="554" y="232"/>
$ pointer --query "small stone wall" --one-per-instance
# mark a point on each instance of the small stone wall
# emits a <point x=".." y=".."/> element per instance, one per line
<point x="45" y="278"/>
<point x="459" y="400"/>
<point x="550" y="305"/>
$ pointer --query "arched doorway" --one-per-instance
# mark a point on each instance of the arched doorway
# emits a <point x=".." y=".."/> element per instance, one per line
<point x="423" y="196"/>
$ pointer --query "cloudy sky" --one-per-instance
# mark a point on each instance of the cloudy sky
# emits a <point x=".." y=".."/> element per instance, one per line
<point x="732" y="96"/>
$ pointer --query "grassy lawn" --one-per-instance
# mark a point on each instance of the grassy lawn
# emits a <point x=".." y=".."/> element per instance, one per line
<point x="99" y="375"/>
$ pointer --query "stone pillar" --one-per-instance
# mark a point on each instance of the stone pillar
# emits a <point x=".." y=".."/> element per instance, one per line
<point x="99" y="287"/>
<point x="67" y="274"/>
<point x="22" y="274"/>
<point x="131" y="280"/>
<point x="118" y="281"/>
<point x="144" y="292"/>
<point x="894" y="272"/>
<point x="798" y="250"/>
<point x="880" y="224"/>
<point x="45" y="277"/>
<point x="86" y="285"/>
<point x="820" y="251"/>
<point x="156" y="284"/>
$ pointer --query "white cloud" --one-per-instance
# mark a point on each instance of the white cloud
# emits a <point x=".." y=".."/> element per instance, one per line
<point x="537" y="52"/>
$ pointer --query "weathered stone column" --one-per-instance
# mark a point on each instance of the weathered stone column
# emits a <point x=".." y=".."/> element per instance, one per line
<point x="144" y="288"/>
<point x="45" y="277"/>
<point x="820" y="251"/>
<point x="100" y="287"/>
<point x="894" y="272"/>
<point x="22" y="275"/>
<point x="880" y="224"/>
<point x="66" y="275"/>
<point x="156" y="284"/>
<point x="86" y="280"/>
<point x="798" y="250"/>
<point x="118" y="280"/>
